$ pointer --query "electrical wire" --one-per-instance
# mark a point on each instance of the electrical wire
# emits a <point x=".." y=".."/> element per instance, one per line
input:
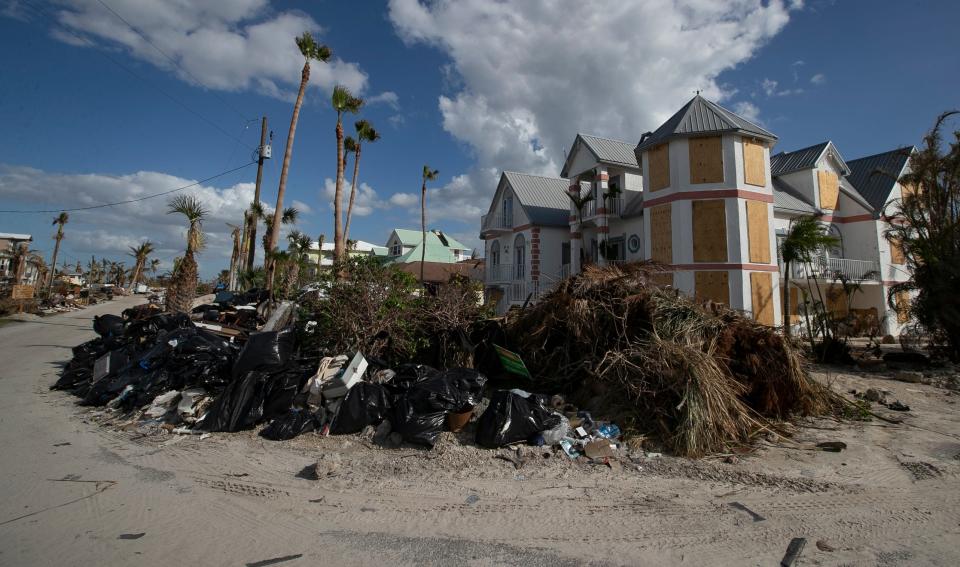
<point x="128" y="201"/>
<point x="171" y="59"/>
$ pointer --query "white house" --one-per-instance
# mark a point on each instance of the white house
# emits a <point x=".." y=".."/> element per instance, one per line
<point x="321" y="257"/>
<point x="702" y="195"/>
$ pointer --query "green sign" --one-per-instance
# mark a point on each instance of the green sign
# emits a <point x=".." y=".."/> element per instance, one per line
<point x="512" y="362"/>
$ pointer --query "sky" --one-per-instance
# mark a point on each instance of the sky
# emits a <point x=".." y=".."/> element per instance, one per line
<point x="112" y="100"/>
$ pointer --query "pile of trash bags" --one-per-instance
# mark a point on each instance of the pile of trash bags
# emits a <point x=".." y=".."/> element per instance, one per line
<point x="164" y="367"/>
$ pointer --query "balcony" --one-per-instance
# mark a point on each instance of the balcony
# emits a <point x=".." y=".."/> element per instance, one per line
<point x="826" y="268"/>
<point x="612" y="205"/>
<point x="497" y="273"/>
<point x="495" y="223"/>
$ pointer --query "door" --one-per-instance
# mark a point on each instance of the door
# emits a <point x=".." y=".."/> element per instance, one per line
<point x="519" y="257"/>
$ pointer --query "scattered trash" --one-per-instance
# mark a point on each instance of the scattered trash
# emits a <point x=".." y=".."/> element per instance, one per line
<point x="569" y="447"/>
<point x="294" y="422"/>
<point x="132" y="536"/>
<point x="898" y="406"/>
<point x="832" y="446"/>
<point x="756" y="517"/>
<point x="598" y="449"/>
<point x="472" y="499"/>
<point x="824" y="546"/>
<point x="793" y="551"/>
<point x="513" y="418"/>
<point x="274" y="561"/>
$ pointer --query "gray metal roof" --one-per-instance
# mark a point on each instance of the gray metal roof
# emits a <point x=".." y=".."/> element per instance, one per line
<point x="700" y="116"/>
<point x="543" y="198"/>
<point x="788" y="199"/>
<point x="849" y="190"/>
<point x="805" y="158"/>
<point x="875" y="176"/>
<point x="610" y="151"/>
<point x="633" y="204"/>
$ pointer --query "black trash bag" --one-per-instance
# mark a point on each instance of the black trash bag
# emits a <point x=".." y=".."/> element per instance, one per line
<point x="108" y="325"/>
<point x="289" y="425"/>
<point x="434" y="394"/>
<point x="202" y="308"/>
<point x="415" y="427"/>
<point x="268" y="351"/>
<point x="282" y="389"/>
<point x="73" y="377"/>
<point x="365" y="404"/>
<point x="409" y="374"/>
<point x="468" y="384"/>
<point x="513" y="418"/>
<point x="239" y="406"/>
<point x="111" y="385"/>
<point x="146" y="331"/>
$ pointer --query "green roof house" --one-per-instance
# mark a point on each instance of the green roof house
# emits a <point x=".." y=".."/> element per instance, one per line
<point x="405" y="246"/>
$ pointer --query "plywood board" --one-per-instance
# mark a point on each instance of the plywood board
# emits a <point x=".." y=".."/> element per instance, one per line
<point x="706" y="159"/>
<point x="661" y="234"/>
<point x="659" y="162"/>
<point x="713" y="286"/>
<point x="709" y="231"/>
<point x="754" y="166"/>
<point x="829" y="189"/>
<point x="896" y="252"/>
<point x="794" y="305"/>
<point x="761" y="292"/>
<point x="758" y="232"/>
<point x="902" y="300"/>
<point x="836" y="300"/>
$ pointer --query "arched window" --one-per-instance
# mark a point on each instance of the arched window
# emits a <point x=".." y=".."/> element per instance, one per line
<point x="835" y="251"/>
<point x="495" y="253"/>
<point x="519" y="257"/>
<point x="507" y="211"/>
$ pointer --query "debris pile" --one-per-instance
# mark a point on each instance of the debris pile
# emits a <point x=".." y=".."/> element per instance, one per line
<point x="699" y="377"/>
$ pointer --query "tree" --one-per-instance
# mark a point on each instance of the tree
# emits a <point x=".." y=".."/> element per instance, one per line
<point x="805" y="237"/>
<point x="154" y="266"/>
<point x="140" y="254"/>
<point x="310" y="49"/>
<point x="342" y="101"/>
<point x="320" y="240"/>
<point x="925" y="223"/>
<point x="299" y="245"/>
<point x="235" y="257"/>
<point x="183" y="283"/>
<point x="58" y="220"/>
<point x="428" y="175"/>
<point x="365" y="133"/>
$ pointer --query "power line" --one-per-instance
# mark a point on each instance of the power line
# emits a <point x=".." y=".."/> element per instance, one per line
<point x="88" y="43"/>
<point x="171" y="59"/>
<point x="128" y="201"/>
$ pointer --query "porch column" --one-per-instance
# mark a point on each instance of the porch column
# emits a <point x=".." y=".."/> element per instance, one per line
<point x="602" y="221"/>
<point x="576" y="237"/>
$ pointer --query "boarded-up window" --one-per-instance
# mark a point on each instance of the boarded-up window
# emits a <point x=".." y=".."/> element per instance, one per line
<point x="902" y="300"/>
<point x="829" y="189"/>
<point x="794" y="305"/>
<point x="661" y="234"/>
<point x="714" y="286"/>
<point x="836" y="301"/>
<point x="709" y="231"/>
<point x="706" y="160"/>
<point x="662" y="279"/>
<point x="754" y="168"/>
<point x="896" y="252"/>
<point x="761" y="292"/>
<point x="659" y="162"/>
<point x="758" y="232"/>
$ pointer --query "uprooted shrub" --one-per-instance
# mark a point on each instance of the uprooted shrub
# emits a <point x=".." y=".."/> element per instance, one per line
<point x="384" y="313"/>
<point x="699" y="377"/>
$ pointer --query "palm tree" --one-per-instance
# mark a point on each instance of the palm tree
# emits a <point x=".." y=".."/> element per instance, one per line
<point x="154" y="266"/>
<point x="140" y="253"/>
<point x="805" y="237"/>
<point x="58" y="220"/>
<point x="428" y="175"/>
<point x="234" y="255"/>
<point x="299" y="244"/>
<point x="183" y="284"/>
<point x="93" y="270"/>
<point x="310" y="49"/>
<point x="342" y="101"/>
<point x="21" y="253"/>
<point x="320" y="240"/>
<point x="289" y="216"/>
<point x="365" y="133"/>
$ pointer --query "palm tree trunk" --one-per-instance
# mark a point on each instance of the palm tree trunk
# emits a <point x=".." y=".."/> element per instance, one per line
<point x="56" y="252"/>
<point x="287" y="155"/>
<point x="339" y="248"/>
<point x="353" y="192"/>
<point x="423" y="230"/>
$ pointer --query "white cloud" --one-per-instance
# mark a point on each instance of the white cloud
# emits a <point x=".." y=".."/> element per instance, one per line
<point x="302" y="207"/>
<point x="526" y="75"/>
<point x="366" y="201"/>
<point x="770" y="88"/>
<point x="229" y="45"/>
<point x="397" y="120"/>
<point x="110" y="231"/>
<point x="404" y="200"/>
<point x="388" y="98"/>
<point x="749" y="111"/>
<point x="818" y="79"/>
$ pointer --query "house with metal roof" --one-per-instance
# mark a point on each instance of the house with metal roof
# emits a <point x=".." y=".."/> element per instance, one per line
<point x="320" y="257"/>
<point x="405" y="246"/>
<point x="705" y="195"/>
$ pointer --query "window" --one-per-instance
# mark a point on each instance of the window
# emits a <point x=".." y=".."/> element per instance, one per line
<point x="565" y="254"/>
<point x="508" y="211"/>
<point x="519" y="257"/>
<point x="396" y="248"/>
<point x="495" y="253"/>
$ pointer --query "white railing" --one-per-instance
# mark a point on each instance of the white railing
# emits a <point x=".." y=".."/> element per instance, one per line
<point x="614" y="206"/>
<point x="496" y="221"/>
<point x="499" y="272"/>
<point x="822" y="267"/>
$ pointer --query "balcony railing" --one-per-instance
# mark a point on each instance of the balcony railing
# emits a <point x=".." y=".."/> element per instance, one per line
<point x="499" y="273"/>
<point x="496" y="221"/>
<point x="822" y="267"/>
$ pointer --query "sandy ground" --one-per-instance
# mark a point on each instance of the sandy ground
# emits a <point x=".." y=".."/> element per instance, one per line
<point x="78" y="490"/>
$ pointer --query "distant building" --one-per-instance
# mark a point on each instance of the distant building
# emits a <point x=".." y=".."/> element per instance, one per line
<point x="406" y="246"/>
<point x="323" y="258"/>
<point x="9" y="242"/>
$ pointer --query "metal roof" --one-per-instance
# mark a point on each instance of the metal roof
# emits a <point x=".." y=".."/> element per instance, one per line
<point x="875" y="176"/>
<point x="14" y="236"/>
<point x="610" y="151"/>
<point x="410" y="237"/>
<point x="700" y="116"/>
<point x="849" y="190"/>
<point x="805" y="158"/>
<point x="788" y="199"/>
<point x="543" y="198"/>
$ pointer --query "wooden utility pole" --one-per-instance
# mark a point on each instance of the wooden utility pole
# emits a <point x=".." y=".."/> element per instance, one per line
<point x="256" y="195"/>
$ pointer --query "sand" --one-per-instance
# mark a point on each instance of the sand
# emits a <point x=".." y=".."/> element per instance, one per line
<point x="80" y="490"/>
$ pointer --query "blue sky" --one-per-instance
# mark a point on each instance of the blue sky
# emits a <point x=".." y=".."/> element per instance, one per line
<point x="470" y="88"/>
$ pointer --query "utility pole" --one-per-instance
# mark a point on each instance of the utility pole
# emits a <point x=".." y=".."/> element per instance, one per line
<point x="263" y="152"/>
